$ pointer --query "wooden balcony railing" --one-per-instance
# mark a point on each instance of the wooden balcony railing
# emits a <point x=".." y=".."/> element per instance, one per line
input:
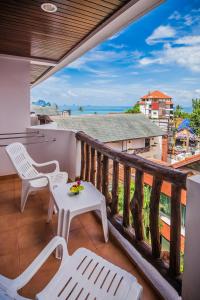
<point x="95" y="157"/>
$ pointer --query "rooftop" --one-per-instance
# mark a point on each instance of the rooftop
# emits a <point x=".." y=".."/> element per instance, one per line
<point x="156" y="95"/>
<point x="116" y="127"/>
<point x="25" y="235"/>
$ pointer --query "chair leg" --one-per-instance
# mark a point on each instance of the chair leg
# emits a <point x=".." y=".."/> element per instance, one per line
<point x="24" y="195"/>
<point x="104" y="221"/>
<point x="64" y="221"/>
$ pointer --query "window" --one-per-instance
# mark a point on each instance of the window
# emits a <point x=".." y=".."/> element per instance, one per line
<point x="147" y="142"/>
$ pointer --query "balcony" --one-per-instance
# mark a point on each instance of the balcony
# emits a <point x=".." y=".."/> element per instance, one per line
<point x="24" y="235"/>
<point x="36" y="46"/>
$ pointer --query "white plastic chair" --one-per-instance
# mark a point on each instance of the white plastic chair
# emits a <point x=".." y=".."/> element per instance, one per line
<point x="84" y="275"/>
<point x="32" y="180"/>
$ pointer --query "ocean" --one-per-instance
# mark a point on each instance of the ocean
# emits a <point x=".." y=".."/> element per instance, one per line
<point x="89" y="109"/>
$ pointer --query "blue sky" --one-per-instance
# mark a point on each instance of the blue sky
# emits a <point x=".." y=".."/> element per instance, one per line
<point x="159" y="51"/>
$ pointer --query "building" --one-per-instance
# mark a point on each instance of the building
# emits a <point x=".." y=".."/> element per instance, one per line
<point x="157" y="105"/>
<point x="132" y="133"/>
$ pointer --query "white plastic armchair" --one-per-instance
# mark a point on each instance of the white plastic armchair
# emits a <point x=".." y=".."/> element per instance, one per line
<point x="26" y="168"/>
<point x="84" y="275"/>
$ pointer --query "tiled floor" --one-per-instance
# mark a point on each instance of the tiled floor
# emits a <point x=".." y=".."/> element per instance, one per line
<point x="22" y="236"/>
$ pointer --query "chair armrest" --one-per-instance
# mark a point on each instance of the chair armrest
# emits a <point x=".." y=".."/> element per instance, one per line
<point x="39" y="176"/>
<point x="26" y="276"/>
<point x="53" y="162"/>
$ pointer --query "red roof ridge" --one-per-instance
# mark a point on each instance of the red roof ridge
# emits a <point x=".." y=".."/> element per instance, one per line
<point x="156" y="94"/>
<point x="186" y="161"/>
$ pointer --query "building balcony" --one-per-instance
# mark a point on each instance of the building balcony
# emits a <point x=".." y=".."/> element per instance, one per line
<point x="109" y="170"/>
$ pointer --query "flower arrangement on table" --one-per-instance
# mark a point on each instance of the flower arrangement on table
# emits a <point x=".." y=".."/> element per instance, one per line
<point x="76" y="188"/>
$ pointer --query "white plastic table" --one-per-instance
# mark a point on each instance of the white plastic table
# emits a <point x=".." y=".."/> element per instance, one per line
<point x="69" y="206"/>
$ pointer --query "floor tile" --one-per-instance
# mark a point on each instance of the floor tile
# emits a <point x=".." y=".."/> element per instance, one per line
<point x="24" y="235"/>
<point x="79" y="238"/>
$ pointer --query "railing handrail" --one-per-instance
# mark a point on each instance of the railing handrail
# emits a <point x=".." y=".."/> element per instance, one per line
<point x="135" y="161"/>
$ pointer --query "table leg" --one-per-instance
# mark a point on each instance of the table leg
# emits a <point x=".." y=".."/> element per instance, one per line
<point x="59" y="231"/>
<point x="104" y="220"/>
<point x="50" y="209"/>
<point x="66" y="225"/>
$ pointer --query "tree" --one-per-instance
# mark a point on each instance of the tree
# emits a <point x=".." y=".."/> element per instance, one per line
<point x="195" y="104"/>
<point x="180" y="113"/>
<point x="134" y="110"/>
<point x="195" y="116"/>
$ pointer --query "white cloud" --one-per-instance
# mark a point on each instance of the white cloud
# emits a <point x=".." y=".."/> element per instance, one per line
<point x="189" y="19"/>
<point x="185" y="56"/>
<point x="136" y="54"/>
<point x="188" y="40"/>
<point x="117" y="46"/>
<point x="71" y="93"/>
<point x="160" y="34"/>
<point x="175" y="16"/>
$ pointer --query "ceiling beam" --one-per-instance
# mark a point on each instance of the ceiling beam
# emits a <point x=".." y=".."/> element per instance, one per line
<point x="33" y="60"/>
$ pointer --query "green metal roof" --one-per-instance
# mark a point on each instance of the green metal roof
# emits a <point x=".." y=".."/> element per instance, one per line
<point x="113" y="127"/>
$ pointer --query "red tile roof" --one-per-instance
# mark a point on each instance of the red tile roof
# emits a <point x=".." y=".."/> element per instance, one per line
<point x="156" y="95"/>
<point x="186" y="161"/>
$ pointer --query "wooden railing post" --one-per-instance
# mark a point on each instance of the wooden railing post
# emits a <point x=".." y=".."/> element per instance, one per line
<point x="137" y="206"/>
<point x="115" y="186"/>
<point x="127" y="189"/>
<point x="95" y="156"/>
<point x="105" y="180"/>
<point x="155" y="216"/>
<point x="82" y="160"/>
<point x="99" y="171"/>
<point x="87" y="168"/>
<point x="175" y="231"/>
<point x="93" y="166"/>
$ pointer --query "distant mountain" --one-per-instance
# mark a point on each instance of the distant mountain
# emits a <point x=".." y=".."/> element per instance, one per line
<point x="41" y="103"/>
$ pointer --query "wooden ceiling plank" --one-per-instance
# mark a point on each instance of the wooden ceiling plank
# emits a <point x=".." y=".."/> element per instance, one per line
<point x="101" y="3"/>
<point x="42" y="27"/>
<point x="19" y="32"/>
<point x="33" y="13"/>
<point x="16" y="17"/>
<point x="34" y="9"/>
<point x="92" y="7"/>
<point x="62" y="5"/>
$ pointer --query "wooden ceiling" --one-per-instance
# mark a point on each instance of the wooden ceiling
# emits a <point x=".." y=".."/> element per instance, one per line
<point x="27" y="31"/>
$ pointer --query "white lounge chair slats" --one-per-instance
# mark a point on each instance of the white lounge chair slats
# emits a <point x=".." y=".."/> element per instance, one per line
<point x="84" y="275"/>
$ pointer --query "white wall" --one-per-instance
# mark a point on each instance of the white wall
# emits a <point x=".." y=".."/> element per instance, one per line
<point x="14" y="103"/>
<point x="156" y="151"/>
<point x="191" y="275"/>
<point x="65" y="149"/>
<point x="131" y="144"/>
<point x="154" y="114"/>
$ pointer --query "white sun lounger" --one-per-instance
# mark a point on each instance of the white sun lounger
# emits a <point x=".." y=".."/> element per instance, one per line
<point x="82" y="276"/>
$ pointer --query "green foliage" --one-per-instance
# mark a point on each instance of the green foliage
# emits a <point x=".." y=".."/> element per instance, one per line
<point x="180" y="113"/>
<point x="147" y="193"/>
<point x="134" y="110"/>
<point x="195" y="104"/>
<point x="195" y="116"/>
